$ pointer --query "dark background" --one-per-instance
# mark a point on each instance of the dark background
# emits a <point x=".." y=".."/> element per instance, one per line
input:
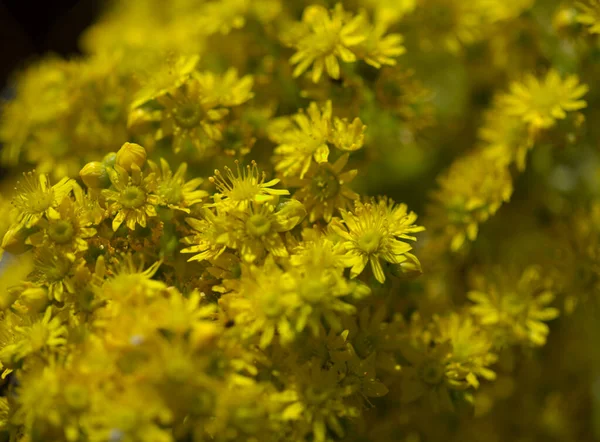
<point x="30" y="28"/>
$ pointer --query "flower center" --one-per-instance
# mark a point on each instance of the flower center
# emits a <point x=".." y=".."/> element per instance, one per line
<point x="270" y="305"/>
<point x="187" y="115"/>
<point x="325" y="184"/>
<point x="61" y="231"/>
<point x="76" y="397"/>
<point x="133" y="197"/>
<point x="543" y="102"/>
<point x="313" y="291"/>
<point x="369" y="242"/>
<point x="171" y="192"/>
<point x="258" y="225"/>
<point x="431" y="372"/>
<point x="57" y="272"/>
<point x="178" y="370"/>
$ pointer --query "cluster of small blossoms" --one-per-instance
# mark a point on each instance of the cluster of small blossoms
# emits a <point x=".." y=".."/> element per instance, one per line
<point x="107" y="278"/>
<point x="478" y="183"/>
<point x="201" y="239"/>
<point x="324" y="38"/>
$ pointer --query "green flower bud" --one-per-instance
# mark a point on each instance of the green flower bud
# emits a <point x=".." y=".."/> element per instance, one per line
<point x="94" y="175"/>
<point x="109" y="159"/>
<point x="290" y="213"/>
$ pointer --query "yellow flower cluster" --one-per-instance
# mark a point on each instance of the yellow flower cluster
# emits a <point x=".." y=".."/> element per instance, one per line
<point x="209" y="225"/>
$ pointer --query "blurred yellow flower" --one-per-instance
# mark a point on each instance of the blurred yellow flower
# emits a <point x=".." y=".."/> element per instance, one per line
<point x="540" y="102"/>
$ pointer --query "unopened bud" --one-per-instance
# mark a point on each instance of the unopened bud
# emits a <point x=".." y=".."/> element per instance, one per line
<point x="95" y="176"/>
<point x="130" y="154"/>
<point x="109" y="159"/>
<point x="407" y="270"/>
<point x="290" y="213"/>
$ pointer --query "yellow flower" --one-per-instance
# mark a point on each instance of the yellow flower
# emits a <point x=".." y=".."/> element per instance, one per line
<point x="317" y="250"/>
<point x="42" y="97"/>
<point x="133" y="199"/>
<point x="181" y="315"/>
<point x="325" y="38"/>
<point x="348" y="136"/>
<point x="172" y="188"/>
<point x="228" y="89"/>
<point x="378" y="49"/>
<point x="258" y="229"/>
<point x="53" y="270"/>
<point x="46" y="333"/>
<point x="390" y="11"/>
<point x="37" y="405"/>
<point x="266" y="305"/>
<point x="301" y="139"/>
<point x="243" y="407"/>
<point x="222" y="16"/>
<point x="375" y="231"/>
<point x="318" y="402"/>
<point x="51" y="399"/>
<point x="516" y="311"/>
<point x="104" y="89"/>
<point x="166" y="76"/>
<point x="325" y="189"/>
<point x="191" y="114"/>
<point x="471" y="350"/>
<point x="450" y="357"/>
<point x="589" y="14"/>
<point x="472" y="190"/>
<point x="127" y="280"/>
<point x="67" y="231"/>
<point x="49" y="149"/>
<point x="204" y="241"/>
<point x="310" y="298"/>
<point x="305" y="137"/>
<point x="505" y="136"/>
<point x="136" y="414"/>
<point x="324" y="295"/>
<point x="189" y="118"/>
<point x="541" y="102"/>
<point x="239" y="192"/>
<point x="35" y="198"/>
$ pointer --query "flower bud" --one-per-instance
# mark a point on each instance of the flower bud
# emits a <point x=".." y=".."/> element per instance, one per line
<point x="109" y="159"/>
<point x="290" y="213"/>
<point x="130" y="154"/>
<point x="94" y="175"/>
<point x="407" y="270"/>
